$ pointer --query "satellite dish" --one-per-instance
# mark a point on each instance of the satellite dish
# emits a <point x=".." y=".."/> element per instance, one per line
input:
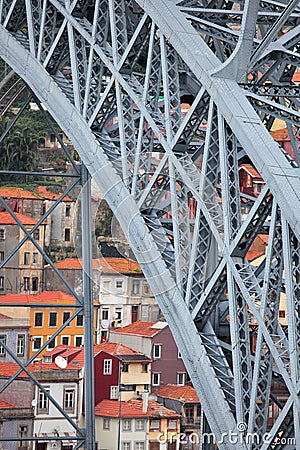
<point x="61" y="362"/>
<point x="105" y="323"/>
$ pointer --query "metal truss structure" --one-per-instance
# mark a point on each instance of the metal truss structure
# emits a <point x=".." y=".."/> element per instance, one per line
<point x="113" y="74"/>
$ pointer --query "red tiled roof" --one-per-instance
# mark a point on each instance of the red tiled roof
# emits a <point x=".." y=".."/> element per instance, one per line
<point x="251" y="256"/>
<point x="43" y="191"/>
<point x="139" y="328"/>
<point x="8" y="369"/>
<point x="14" y="192"/>
<point x="76" y="361"/>
<point x="250" y="169"/>
<point x="186" y="394"/>
<point x="7" y="219"/>
<point x="116" y="349"/>
<point x="264" y="238"/>
<point x="106" y="265"/>
<point x="6" y="405"/>
<point x="132" y="408"/>
<point x="296" y="77"/>
<point x="281" y="135"/>
<point x="43" y="297"/>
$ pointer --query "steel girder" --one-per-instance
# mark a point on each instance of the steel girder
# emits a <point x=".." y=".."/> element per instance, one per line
<point x="113" y="74"/>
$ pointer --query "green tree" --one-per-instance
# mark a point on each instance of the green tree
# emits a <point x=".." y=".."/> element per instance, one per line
<point x="18" y="150"/>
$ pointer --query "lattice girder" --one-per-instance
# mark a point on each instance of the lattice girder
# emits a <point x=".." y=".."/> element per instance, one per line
<point x="130" y="132"/>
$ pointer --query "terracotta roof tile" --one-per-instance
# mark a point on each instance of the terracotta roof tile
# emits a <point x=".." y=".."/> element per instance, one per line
<point x="106" y="265"/>
<point x="121" y="350"/>
<point x="6" y="405"/>
<point x="14" y="192"/>
<point x="250" y="169"/>
<point x="43" y="191"/>
<point x="132" y="408"/>
<point x="139" y="328"/>
<point x="7" y="219"/>
<point x="186" y="394"/>
<point x="43" y="297"/>
<point x="8" y="369"/>
<point x="251" y="256"/>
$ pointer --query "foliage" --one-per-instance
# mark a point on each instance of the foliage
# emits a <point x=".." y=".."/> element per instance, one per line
<point x="18" y="149"/>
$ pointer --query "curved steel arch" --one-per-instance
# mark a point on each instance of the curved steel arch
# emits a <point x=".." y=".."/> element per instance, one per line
<point x="187" y="275"/>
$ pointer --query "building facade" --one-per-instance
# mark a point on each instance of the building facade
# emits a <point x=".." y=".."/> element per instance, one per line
<point x="155" y="340"/>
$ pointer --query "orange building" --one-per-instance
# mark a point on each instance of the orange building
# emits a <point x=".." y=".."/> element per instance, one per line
<point x="47" y="312"/>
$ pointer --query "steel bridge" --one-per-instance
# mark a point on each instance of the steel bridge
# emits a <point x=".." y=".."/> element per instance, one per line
<point x="114" y="74"/>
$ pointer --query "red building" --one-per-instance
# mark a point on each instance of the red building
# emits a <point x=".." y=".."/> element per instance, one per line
<point x="155" y="340"/>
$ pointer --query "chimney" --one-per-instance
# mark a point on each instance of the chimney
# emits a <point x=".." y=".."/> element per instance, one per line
<point x="145" y="401"/>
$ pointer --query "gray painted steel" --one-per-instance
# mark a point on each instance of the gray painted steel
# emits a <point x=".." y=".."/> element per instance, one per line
<point x="131" y="64"/>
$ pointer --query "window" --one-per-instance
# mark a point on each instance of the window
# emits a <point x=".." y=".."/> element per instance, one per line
<point x="52" y="138"/>
<point x="37" y="342"/>
<point x="65" y="340"/>
<point x="157" y="351"/>
<point x="107" y="367"/>
<point x="35" y="283"/>
<point x="282" y="314"/>
<point x="154" y="424"/>
<point x="172" y="424"/>
<point x="179" y="356"/>
<point x="118" y="315"/>
<point x="52" y="343"/>
<point x="20" y="344"/>
<point x="139" y="445"/>
<point x="69" y="399"/>
<point x="43" y="401"/>
<point x="26" y="283"/>
<point x="2" y="233"/>
<point x="125" y="367"/>
<point x="136" y="287"/>
<point x="35" y="257"/>
<point x="68" y="210"/>
<point x="26" y="258"/>
<point x="155" y="379"/>
<point x="67" y="234"/>
<point x="146" y="289"/>
<point x="79" y="320"/>
<point x="126" y="445"/>
<point x="1" y="256"/>
<point x="78" y="341"/>
<point x="66" y="316"/>
<point x="106" y="423"/>
<point x="52" y="319"/>
<point x="146" y="387"/>
<point x="105" y="314"/>
<point x="119" y="284"/>
<point x="1" y="283"/>
<point x="144" y="367"/>
<point x="22" y="433"/>
<point x="2" y="341"/>
<point x="180" y="379"/>
<point x="126" y="424"/>
<point x="38" y="319"/>
<point x="106" y="287"/>
<point x="114" y="392"/>
<point x="139" y="424"/>
<point x="36" y="235"/>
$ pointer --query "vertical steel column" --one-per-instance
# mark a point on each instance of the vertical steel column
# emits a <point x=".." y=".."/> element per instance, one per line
<point x="88" y="309"/>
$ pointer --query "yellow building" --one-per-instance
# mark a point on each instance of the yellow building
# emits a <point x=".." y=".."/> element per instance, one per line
<point x="48" y="312"/>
